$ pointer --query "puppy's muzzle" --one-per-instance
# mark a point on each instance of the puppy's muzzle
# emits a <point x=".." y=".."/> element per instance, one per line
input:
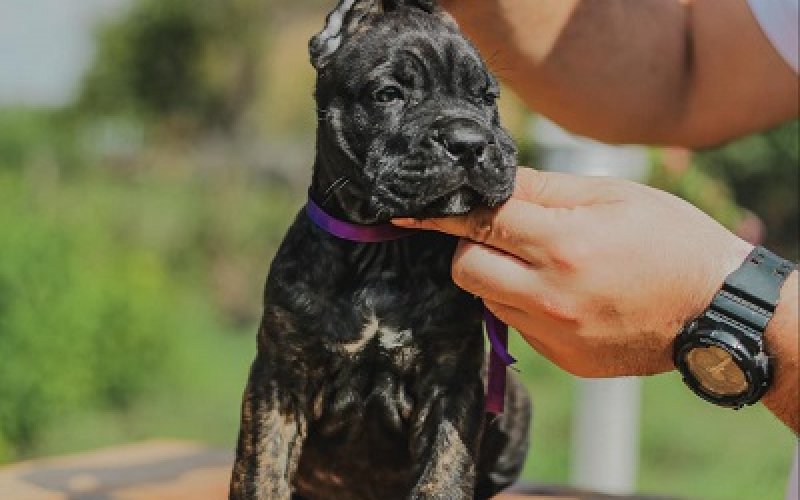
<point x="464" y="141"/>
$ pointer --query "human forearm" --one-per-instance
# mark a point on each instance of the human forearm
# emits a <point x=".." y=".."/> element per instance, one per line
<point x="685" y="72"/>
<point x="782" y="339"/>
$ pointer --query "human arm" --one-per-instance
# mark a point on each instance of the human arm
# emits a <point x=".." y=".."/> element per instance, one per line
<point x="600" y="274"/>
<point x="684" y="72"/>
<point x="782" y="337"/>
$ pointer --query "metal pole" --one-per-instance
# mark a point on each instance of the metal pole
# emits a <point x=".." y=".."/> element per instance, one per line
<point x="605" y="435"/>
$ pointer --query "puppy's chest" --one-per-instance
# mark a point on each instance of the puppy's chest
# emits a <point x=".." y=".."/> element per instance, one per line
<point x="367" y="321"/>
<point x="386" y="303"/>
<point x="398" y="329"/>
<point x="378" y="339"/>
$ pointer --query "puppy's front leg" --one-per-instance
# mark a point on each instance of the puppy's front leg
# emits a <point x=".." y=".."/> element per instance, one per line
<point x="446" y="441"/>
<point x="270" y="439"/>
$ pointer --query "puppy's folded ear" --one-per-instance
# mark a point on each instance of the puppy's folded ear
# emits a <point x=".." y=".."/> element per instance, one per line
<point x="348" y="15"/>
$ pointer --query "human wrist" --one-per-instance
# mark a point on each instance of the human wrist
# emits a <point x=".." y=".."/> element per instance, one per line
<point x="725" y="354"/>
<point x="781" y="338"/>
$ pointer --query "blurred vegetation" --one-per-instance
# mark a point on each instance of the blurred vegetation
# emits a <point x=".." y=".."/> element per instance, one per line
<point x="749" y="185"/>
<point x="762" y="173"/>
<point x="195" y="61"/>
<point x="138" y="225"/>
<point x="99" y="271"/>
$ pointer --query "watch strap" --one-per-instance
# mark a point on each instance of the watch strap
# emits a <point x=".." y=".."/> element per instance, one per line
<point x="760" y="277"/>
<point x="751" y="293"/>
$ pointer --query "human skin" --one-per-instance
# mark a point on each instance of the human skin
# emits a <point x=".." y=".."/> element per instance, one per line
<point x="599" y="274"/>
<point x="682" y="72"/>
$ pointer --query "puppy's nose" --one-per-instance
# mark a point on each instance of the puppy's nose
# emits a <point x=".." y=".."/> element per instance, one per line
<point x="465" y="141"/>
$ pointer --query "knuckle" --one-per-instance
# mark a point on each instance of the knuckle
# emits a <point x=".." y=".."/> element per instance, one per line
<point x="571" y="254"/>
<point x="479" y="225"/>
<point x="462" y="276"/>
<point x="562" y="257"/>
<point x="558" y="308"/>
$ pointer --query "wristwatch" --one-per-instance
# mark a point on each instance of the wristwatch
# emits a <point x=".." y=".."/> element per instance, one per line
<point x="722" y="354"/>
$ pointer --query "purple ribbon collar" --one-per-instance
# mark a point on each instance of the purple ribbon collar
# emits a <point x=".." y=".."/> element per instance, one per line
<point x="496" y="330"/>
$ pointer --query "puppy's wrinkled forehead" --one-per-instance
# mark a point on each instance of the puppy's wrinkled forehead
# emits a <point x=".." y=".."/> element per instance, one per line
<point x="416" y="60"/>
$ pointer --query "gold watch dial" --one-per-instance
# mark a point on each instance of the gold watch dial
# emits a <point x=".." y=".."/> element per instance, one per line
<point x="716" y="371"/>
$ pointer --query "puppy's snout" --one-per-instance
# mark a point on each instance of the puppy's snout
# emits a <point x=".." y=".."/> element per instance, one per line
<point x="463" y="140"/>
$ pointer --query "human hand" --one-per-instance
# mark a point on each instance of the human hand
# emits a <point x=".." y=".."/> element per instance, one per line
<point x="597" y="274"/>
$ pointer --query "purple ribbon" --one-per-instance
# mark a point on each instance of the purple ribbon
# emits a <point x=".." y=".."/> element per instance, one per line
<point x="499" y="359"/>
<point x="496" y="330"/>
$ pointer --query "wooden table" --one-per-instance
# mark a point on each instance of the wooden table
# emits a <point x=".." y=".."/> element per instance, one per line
<point x="161" y="470"/>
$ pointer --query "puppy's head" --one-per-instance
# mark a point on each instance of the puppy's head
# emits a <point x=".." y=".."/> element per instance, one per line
<point x="408" y="125"/>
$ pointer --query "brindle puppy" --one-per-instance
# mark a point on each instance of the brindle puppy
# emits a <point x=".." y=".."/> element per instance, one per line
<point x="367" y="383"/>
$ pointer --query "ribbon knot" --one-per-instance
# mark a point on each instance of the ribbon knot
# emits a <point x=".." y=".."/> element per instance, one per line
<point x="496" y="330"/>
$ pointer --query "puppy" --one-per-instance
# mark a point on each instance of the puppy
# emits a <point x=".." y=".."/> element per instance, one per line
<point x="368" y="382"/>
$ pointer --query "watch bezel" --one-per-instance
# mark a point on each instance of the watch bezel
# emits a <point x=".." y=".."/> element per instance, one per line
<point x="753" y="365"/>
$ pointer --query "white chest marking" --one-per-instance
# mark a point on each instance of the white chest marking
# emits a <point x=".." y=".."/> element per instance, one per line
<point x="393" y="339"/>
<point x="388" y="338"/>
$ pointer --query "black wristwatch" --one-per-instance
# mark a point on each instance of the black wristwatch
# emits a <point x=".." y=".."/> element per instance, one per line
<point x="722" y="354"/>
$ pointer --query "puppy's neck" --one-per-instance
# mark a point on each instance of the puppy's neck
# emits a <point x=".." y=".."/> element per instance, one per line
<point x="354" y="232"/>
<point x="324" y="191"/>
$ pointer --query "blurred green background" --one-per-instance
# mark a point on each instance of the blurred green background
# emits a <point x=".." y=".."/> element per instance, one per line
<point x="139" y="215"/>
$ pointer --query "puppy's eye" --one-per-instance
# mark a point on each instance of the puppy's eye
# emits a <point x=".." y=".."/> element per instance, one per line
<point x="388" y="94"/>
<point x="490" y="97"/>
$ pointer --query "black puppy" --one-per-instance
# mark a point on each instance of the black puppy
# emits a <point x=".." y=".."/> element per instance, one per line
<point x="368" y="381"/>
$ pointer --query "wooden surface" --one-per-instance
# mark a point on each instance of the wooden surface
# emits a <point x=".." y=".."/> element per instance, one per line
<point x="162" y="470"/>
<point x="156" y="470"/>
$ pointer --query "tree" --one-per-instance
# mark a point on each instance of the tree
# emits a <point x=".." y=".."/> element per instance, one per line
<point x="192" y="59"/>
<point x="762" y="170"/>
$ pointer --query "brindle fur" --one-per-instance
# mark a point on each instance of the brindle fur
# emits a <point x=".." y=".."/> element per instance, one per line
<point x="367" y="382"/>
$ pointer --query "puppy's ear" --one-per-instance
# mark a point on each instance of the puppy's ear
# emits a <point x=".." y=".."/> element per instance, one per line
<point x="348" y="15"/>
<point x="426" y="5"/>
<point x="343" y="20"/>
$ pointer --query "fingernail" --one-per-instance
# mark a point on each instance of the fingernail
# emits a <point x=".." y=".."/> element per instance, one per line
<point x="404" y="221"/>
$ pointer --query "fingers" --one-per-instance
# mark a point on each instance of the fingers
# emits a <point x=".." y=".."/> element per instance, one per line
<point x="517" y="227"/>
<point x="492" y="274"/>
<point x="537" y="212"/>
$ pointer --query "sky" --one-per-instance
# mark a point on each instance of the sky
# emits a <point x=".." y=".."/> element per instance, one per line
<point x="46" y="47"/>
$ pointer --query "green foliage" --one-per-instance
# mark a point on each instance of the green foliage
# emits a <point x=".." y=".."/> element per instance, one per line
<point x="102" y="275"/>
<point x="34" y="138"/>
<point x="82" y="316"/>
<point x="762" y="172"/>
<point x="20" y="131"/>
<point x="150" y="60"/>
<point x="191" y="60"/>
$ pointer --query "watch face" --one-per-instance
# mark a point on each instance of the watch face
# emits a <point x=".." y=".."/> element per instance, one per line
<point x="715" y="369"/>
